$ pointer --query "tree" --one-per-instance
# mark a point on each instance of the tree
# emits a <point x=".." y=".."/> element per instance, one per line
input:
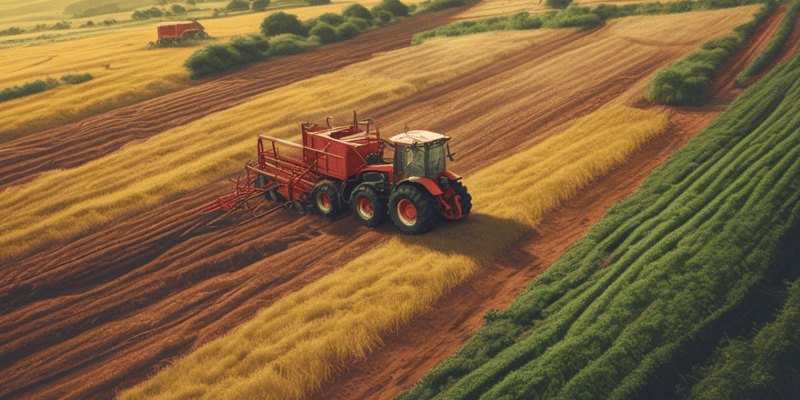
<point x="357" y="11"/>
<point x="259" y="5"/>
<point x="238" y="5"/>
<point x="178" y="9"/>
<point x="325" y="33"/>
<point x="280" y="23"/>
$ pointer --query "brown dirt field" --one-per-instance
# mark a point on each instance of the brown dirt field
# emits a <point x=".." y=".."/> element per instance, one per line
<point x="71" y="145"/>
<point x="90" y="317"/>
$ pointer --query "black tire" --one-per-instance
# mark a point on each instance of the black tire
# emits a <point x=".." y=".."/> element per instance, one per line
<point x="466" y="199"/>
<point x="324" y="199"/>
<point x="413" y="211"/>
<point x="368" y="207"/>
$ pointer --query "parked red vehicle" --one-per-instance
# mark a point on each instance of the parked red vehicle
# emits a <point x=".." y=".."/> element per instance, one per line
<point x="337" y="167"/>
<point x="175" y="32"/>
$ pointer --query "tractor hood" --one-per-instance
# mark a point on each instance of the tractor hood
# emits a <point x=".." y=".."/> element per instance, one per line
<point x="421" y="137"/>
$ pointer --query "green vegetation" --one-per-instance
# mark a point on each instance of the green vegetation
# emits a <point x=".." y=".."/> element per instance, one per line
<point x="763" y="367"/>
<point x="686" y="81"/>
<point x="570" y="17"/>
<point x="42" y="85"/>
<point x="763" y="59"/>
<point x="439" y="5"/>
<point x="290" y="36"/>
<point x="665" y="268"/>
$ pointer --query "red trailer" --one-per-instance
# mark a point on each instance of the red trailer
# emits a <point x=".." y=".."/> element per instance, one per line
<point x="175" y="32"/>
<point x="339" y="166"/>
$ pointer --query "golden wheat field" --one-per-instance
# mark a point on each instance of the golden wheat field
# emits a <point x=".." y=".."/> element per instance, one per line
<point x="105" y="189"/>
<point x="292" y="346"/>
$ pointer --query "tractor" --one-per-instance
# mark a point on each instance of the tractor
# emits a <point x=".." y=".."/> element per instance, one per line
<point x="176" y="32"/>
<point x="339" y="167"/>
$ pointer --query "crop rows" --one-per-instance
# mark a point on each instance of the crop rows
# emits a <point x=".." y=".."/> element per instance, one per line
<point x="660" y="269"/>
<point x="292" y="346"/>
<point x="766" y="56"/>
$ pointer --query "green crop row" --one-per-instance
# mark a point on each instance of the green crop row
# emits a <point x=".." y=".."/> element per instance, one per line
<point x="763" y="59"/>
<point x="661" y="269"/>
<point x="766" y="366"/>
<point x="686" y="81"/>
<point x="284" y="34"/>
<point x="42" y="85"/>
<point x="576" y="17"/>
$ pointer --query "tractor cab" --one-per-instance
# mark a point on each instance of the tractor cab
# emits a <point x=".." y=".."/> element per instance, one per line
<point x="419" y="154"/>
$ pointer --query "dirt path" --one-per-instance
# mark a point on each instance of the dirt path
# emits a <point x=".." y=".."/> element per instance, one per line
<point x="74" y="144"/>
<point x="87" y="318"/>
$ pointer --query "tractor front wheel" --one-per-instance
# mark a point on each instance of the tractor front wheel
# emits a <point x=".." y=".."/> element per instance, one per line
<point x="367" y="206"/>
<point x="325" y="199"/>
<point x="412" y="210"/>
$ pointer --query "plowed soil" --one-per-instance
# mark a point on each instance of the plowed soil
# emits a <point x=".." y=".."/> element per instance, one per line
<point x="88" y="318"/>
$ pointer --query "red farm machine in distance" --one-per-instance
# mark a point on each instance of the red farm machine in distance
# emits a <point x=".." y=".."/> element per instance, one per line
<point x="337" y="167"/>
<point x="176" y="32"/>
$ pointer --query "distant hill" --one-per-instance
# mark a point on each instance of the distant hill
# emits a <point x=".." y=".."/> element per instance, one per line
<point x="16" y="8"/>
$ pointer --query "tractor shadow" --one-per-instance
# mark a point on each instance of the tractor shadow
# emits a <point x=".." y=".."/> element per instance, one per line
<point x="479" y="236"/>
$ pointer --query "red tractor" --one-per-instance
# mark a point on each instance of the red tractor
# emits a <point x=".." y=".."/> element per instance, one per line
<point x="176" y="32"/>
<point x="339" y="166"/>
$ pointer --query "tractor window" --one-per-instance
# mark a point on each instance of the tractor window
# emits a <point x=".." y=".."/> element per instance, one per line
<point x="411" y="160"/>
<point x="436" y="161"/>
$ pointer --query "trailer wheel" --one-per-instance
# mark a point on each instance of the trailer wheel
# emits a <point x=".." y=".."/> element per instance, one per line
<point x="368" y="208"/>
<point x="325" y="199"/>
<point x="412" y="210"/>
<point x="466" y="199"/>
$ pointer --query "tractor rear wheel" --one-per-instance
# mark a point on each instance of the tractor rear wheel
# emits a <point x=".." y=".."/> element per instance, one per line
<point x="413" y="210"/>
<point x="368" y="208"/>
<point x="325" y="199"/>
<point x="466" y="199"/>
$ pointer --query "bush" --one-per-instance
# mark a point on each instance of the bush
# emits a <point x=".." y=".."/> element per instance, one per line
<point x="384" y="16"/>
<point x="318" y="2"/>
<point x="331" y="19"/>
<point x="212" y="59"/>
<point x="348" y="30"/>
<point x="357" y="11"/>
<point x="74" y="79"/>
<point x="558" y="4"/>
<point x="147" y="14"/>
<point x="259" y="5"/>
<point x="28" y="89"/>
<point x="178" y="9"/>
<point x="287" y="45"/>
<point x="523" y="21"/>
<point x="238" y="5"/>
<point x="280" y="23"/>
<point x="251" y="47"/>
<point x="325" y="33"/>
<point x="396" y="7"/>
<point x="362" y="24"/>
<point x="11" y="31"/>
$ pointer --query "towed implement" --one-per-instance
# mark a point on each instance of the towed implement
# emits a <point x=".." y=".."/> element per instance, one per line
<point x="336" y="168"/>
<point x="177" y="32"/>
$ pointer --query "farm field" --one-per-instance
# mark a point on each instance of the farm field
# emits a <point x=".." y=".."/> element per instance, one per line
<point x="94" y="314"/>
<point x="124" y="71"/>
